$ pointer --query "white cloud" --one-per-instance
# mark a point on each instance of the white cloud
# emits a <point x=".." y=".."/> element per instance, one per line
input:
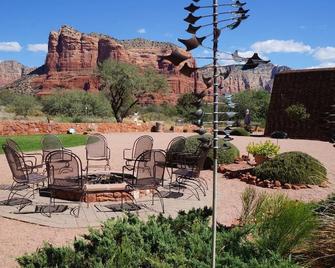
<point x="283" y="46"/>
<point x="10" y="47"/>
<point x="38" y="47"/>
<point x="142" y="31"/>
<point x="325" y="54"/>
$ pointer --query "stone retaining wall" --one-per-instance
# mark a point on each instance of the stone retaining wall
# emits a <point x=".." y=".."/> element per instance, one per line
<point x="8" y="128"/>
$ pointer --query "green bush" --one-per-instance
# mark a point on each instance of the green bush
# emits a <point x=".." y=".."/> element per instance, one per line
<point x="292" y="167"/>
<point x="297" y="112"/>
<point x="225" y="156"/>
<point x="256" y="101"/>
<point x="162" y="112"/>
<point x="158" y="242"/>
<point x="280" y="224"/>
<point x="76" y="104"/>
<point x="24" y="105"/>
<point x="239" y="132"/>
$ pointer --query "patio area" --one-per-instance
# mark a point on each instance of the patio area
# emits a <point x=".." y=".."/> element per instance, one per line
<point x="35" y="226"/>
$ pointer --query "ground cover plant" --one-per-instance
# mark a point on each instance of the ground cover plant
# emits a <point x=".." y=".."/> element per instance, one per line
<point x="294" y="168"/>
<point x="227" y="151"/>
<point x="158" y="242"/>
<point x="33" y="142"/>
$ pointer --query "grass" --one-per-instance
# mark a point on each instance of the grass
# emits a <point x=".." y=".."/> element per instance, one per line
<point x="33" y="142"/>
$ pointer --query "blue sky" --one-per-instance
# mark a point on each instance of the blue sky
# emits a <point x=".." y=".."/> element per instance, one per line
<point x="299" y="34"/>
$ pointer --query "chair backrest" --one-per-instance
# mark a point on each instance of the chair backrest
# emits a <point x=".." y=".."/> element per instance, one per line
<point x="175" y="146"/>
<point x="142" y="144"/>
<point x="96" y="147"/>
<point x="50" y="143"/>
<point x="153" y="167"/>
<point x="202" y="156"/>
<point x="16" y="164"/>
<point x="12" y="144"/>
<point x="64" y="170"/>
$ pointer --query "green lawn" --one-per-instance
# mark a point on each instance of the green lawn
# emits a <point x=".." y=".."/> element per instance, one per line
<point x="33" y="142"/>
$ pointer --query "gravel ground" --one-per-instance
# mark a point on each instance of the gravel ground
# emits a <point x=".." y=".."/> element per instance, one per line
<point x="17" y="238"/>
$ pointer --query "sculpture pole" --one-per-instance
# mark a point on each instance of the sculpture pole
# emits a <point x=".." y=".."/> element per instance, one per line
<point x="215" y="123"/>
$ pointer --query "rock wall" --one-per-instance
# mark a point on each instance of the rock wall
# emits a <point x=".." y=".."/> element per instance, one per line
<point x="315" y="89"/>
<point x="8" y="128"/>
<point x="12" y="70"/>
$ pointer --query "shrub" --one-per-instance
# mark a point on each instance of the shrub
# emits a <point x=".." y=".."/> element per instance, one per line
<point x="158" y="242"/>
<point x="293" y="167"/>
<point x="24" y="105"/>
<point x="76" y="104"/>
<point x="240" y="132"/>
<point x="225" y="156"/>
<point x="297" y="112"/>
<point x="267" y="149"/>
<point x="280" y="224"/>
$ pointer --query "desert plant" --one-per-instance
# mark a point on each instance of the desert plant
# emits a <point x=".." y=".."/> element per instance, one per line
<point x="280" y="224"/>
<point x="158" y="242"/>
<point x="266" y="149"/>
<point x="240" y="132"/>
<point x="24" y="105"/>
<point x="320" y="252"/>
<point x="76" y="104"/>
<point x="293" y="167"/>
<point x="227" y="151"/>
<point x="297" y="112"/>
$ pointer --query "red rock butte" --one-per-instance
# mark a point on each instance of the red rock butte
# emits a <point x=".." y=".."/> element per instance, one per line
<point x="73" y="58"/>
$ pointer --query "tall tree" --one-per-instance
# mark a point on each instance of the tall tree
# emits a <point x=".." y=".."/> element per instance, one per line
<point x="124" y="83"/>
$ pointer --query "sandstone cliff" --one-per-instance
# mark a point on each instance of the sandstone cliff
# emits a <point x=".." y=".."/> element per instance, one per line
<point x="12" y="70"/>
<point x="73" y="57"/>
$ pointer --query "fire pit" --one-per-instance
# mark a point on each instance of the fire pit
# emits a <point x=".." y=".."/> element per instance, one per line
<point x="100" y="187"/>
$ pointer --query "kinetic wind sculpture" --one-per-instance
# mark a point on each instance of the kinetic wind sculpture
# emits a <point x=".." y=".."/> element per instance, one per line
<point x="235" y="15"/>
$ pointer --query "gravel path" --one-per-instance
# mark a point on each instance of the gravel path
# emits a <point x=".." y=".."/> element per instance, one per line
<point x="17" y="238"/>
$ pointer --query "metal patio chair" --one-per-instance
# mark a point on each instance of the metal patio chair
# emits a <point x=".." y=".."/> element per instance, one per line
<point x="149" y="174"/>
<point x="35" y="159"/>
<point x="189" y="172"/>
<point x="65" y="173"/>
<point x="175" y="147"/>
<point x="51" y="143"/>
<point x="97" y="150"/>
<point x="24" y="177"/>
<point x="141" y="144"/>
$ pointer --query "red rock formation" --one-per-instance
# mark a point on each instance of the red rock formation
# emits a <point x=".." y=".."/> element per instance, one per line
<point x="73" y="56"/>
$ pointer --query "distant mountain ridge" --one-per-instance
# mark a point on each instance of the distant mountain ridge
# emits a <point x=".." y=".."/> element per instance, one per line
<point x="73" y="57"/>
<point x="11" y="71"/>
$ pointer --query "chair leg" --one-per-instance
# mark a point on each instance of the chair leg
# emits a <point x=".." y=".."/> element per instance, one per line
<point x="160" y="199"/>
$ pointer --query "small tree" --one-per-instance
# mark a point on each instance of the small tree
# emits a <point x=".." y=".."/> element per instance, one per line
<point x="124" y="83"/>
